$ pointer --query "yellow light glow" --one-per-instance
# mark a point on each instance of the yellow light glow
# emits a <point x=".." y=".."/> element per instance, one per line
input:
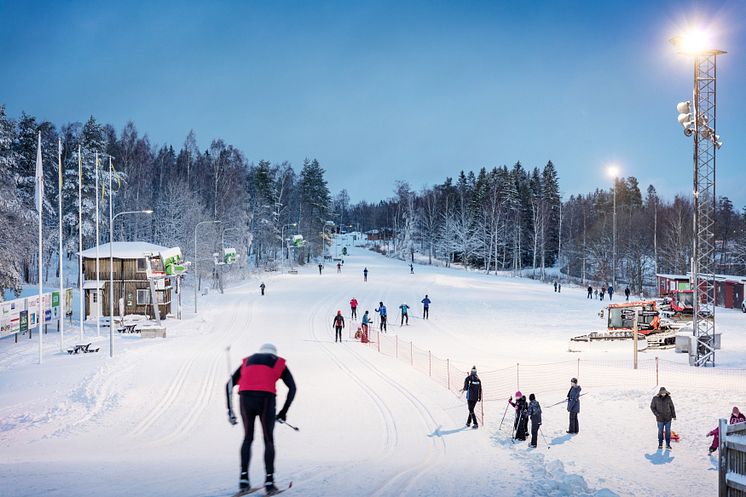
<point x="695" y="41"/>
<point x="612" y="171"/>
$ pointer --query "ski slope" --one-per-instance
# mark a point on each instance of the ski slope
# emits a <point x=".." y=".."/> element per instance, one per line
<point x="152" y="421"/>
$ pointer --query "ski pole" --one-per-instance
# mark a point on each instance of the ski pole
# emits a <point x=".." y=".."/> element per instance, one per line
<point x="503" y="419"/>
<point x="545" y="438"/>
<point x="288" y="425"/>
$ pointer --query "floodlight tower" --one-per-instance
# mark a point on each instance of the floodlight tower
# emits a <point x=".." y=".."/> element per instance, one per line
<point x="698" y="119"/>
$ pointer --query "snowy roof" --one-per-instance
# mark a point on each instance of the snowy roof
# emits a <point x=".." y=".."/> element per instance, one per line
<point x="92" y="285"/>
<point x="673" y="276"/>
<point x="123" y="250"/>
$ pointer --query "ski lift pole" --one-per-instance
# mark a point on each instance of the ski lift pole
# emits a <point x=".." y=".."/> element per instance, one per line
<point x="634" y="336"/>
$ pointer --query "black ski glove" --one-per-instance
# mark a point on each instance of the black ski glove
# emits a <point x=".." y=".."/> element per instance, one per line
<point x="232" y="417"/>
<point x="282" y="415"/>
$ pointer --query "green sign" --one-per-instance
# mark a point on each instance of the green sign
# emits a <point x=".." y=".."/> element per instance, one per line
<point x="55" y="299"/>
<point x="24" y="321"/>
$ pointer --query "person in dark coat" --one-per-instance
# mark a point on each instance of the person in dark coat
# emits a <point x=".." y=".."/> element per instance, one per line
<point x="573" y="405"/>
<point x="663" y="408"/>
<point x="473" y="389"/>
<point x="338" y="324"/>
<point x="590" y="292"/>
<point x="601" y="294"/>
<point x="555" y="285"/>
<point x="426" y="307"/>
<point x="262" y="287"/>
<point x="520" y="425"/>
<point x="534" y="414"/>
<point x="610" y="290"/>
<point x="736" y="416"/>
<point x="626" y="293"/>
<point x="321" y="266"/>
<point x="365" y="274"/>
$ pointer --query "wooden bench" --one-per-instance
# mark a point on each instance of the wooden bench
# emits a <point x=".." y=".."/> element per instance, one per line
<point x="82" y="349"/>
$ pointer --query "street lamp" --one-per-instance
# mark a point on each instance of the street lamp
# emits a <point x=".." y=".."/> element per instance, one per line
<point x="111" y="269"/>
<point x="196" y="259"/>
<point x="613" y="172"/>
<point x="283" y="245"/>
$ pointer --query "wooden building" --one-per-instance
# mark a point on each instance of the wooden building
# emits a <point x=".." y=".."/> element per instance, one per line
<point x="729" y="290"/>
<point x="667" y="283"/>
<point x="132" y="294"/>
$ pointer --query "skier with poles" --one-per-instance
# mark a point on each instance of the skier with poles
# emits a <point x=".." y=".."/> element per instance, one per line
<point x="365" y="322"/>
<point x="573" y="405"/>
<point x="473" y="389"/>
<point x="382" y="314"/>
<point x="256" y="379"/>
<point x="520" y="425"/>
<point x="534" y="413"/>
<point x="426" y="307"/>
<point x="338" y="324"/>
<point x="404" y="314"/>
<point x="353" y="307"/>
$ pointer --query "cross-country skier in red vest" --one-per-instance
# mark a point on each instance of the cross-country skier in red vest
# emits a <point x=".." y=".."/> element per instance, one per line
<point x="256" y="380"/>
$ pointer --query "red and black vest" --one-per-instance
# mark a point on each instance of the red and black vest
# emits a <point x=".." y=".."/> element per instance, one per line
<point x="260" y="372"/>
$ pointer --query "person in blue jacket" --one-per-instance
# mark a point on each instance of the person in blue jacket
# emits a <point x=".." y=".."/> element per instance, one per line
<point x="383" y="315"/>
<point x="426" y="307"/>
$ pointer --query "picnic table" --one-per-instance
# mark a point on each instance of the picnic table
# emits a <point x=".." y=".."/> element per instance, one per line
<point x="82" y="349"/>
<point x="129" y="323"/>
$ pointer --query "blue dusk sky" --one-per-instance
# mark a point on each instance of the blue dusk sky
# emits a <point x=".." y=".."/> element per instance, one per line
<point x="384" y="91"/>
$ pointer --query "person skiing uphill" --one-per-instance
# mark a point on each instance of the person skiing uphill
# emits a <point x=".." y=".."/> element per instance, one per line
<point x="404" y="314"/>
<point x="365" y="274"/>
<point x="534" y="414"/>
<point x="382" y="314"/>
<point x="664" y="410"/>
<point x="473" y="389"/>
<point x="426" y="307"/>
<point x="353" y="307"/>
<point x="256" y="379"/>
<point x="338" y="324"/>
<point x="573" y="405"/>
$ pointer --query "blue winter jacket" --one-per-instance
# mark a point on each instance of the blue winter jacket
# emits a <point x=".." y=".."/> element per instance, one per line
<point x="573" y="399"/>
<point x="426" y="302"/>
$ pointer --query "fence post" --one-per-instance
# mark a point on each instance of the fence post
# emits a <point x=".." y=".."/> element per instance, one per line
<point x="378" y="340"/>
<point x="578" y="376"/>
<point x="448" y="372"/>
<point x="397" y="346"/>
<point x="430" y="364"/>
<point x="411" y="354"/>
<point x="657" y="380"/>
<point x="517" y="376"/>
<point x="722" y="458"/>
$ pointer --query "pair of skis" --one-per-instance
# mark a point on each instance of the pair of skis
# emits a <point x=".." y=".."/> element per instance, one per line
<point x="251" y="490"/>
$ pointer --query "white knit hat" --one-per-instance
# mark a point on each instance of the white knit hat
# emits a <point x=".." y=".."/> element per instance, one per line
<point x="268" y="348"/>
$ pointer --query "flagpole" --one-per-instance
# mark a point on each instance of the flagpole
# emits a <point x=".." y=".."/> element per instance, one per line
<point x="39" y="209"/>
<point x="98" y="274"/>
<point x="59" y="208"/>
<point x="81" y="273"/>
<point x="111" y="268"/>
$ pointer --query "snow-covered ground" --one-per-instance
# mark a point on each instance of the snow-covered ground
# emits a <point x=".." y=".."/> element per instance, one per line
<point x="152" y="420"/>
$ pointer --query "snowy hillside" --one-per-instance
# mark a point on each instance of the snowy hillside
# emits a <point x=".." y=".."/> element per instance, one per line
<point x="152" y="421"/>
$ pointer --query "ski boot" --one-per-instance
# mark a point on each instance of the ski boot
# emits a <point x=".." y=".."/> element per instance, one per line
<point x="269" y="485"/>
<point x="243" y="481"/>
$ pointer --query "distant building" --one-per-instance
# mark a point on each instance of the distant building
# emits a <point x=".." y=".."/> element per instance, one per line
<point x="130" y="280"/>
<point x="729" y="289"/>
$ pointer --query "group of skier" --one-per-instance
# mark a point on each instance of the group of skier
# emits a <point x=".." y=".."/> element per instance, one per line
<point x="530" y="410"/>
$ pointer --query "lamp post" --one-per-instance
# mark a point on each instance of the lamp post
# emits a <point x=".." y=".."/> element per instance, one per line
<point x="698" y="118"/>
<point x="613" y="171"/>
<point x="283" y="245"/>
<point x="196" y="278"/>
<point x="111" y="267"/>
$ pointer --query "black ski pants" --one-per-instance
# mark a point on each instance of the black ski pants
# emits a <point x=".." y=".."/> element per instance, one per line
<point x="404" y="317"/>
<point x="338" y="334"/>
<point x="425" y="312"/>
<point x="520" y="426"/>
<point x="534" y="432"/>
<point x="383" y="323"/>
<point x="471" y="417"/>
<point x="574" y="427"/>
<point x="354" y="312"/>
<point x="261" y="405"/>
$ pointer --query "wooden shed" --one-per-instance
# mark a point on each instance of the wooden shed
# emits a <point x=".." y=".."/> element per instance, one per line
<point x="667" y="283"/>
<point x="131" y="285"/>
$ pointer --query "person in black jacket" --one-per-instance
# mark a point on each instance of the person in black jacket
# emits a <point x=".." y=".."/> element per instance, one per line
<point x="338" y="324"/>
<point x="473" y="389"/>
<point x="573" y="405"/>
<point x="662" y="407"/>
<point x="520" y="425"/>
<point x="534" y="414"/>
<point x="256" y="378"/>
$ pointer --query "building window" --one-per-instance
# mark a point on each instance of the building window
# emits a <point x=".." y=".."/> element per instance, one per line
<point x="142" y="265"/>
<point x="143" y="297"/>
<point x="95" y="297"/>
